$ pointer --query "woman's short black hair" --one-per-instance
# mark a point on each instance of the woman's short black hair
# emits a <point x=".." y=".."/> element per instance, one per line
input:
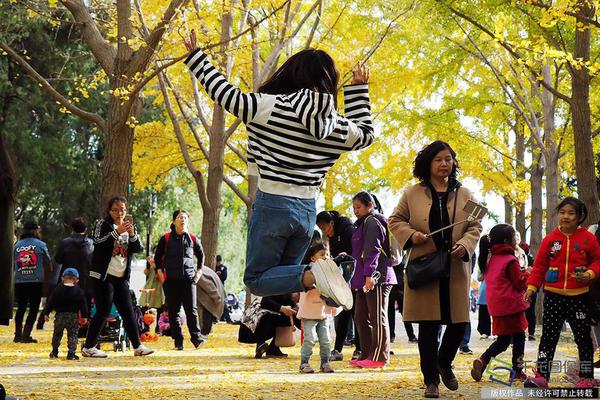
<point x="325" y="217"/>
<point x="422" y="169"/>
<point x="308" y="69"/>
<point x="78" y="225"/>
<point x="578" y="205"/>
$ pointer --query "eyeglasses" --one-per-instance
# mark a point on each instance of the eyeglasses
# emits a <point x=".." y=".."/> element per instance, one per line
<point x="118" y="210"/>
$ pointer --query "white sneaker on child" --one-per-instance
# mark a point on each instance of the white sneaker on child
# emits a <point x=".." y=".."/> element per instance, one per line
<point x="93" y="352"/>
<point x="330" y="282"/>
<point x="142" y="351"/>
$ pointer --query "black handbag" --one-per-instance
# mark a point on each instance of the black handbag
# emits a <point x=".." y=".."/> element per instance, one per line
<point x="431" y="266"/>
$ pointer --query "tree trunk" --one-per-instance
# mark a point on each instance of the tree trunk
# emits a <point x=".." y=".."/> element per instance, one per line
<point x="537" y="172"/>
<point x="520" y="220"/>
<point x="7" y="211"/>
<point x="508" y="210"/>
<point x="551" y="151"/>
<point x="580" y="111"/>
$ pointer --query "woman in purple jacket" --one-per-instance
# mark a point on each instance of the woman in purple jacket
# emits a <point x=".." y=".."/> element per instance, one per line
<point x="372" y="281"/>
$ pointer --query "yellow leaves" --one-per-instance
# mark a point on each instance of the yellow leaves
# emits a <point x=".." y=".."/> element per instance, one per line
<point x="52" y="3"/>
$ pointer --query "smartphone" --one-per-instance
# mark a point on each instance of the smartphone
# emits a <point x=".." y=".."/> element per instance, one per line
<point x="128" y="218"/>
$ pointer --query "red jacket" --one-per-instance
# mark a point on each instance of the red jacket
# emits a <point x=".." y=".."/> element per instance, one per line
<point x="504" y="282"/>
<point x="561" y="255"/>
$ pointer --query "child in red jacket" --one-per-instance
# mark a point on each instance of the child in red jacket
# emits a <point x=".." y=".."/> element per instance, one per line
<point x="505" y="284"/>
<point x="566" y="263"/>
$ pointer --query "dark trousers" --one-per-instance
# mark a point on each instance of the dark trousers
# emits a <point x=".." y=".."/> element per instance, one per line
<point x="530" y="314"/>
<point x="433" y="356"/>
<point x="68" y="321"/>
<point x="557" y="310"/>
<point x="112" y="290"/>
<point x="342" y="326"/>
<point x="178" y="293"/>
<point x="397" y="297"/>
<point x="27" y="295"/>
<point x="484" y="326"/>
<point x="501" y="344"/>
<point x="372" y="323"/>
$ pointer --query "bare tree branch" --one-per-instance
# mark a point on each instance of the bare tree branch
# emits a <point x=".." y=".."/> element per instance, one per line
<point x="86" y="115"/>
<point x="245" y="198"/>
<point x="237" y="152"/>
<point x="232" y="128"/>
<point x="311" y="35"/>
<point x="102" y="50"/>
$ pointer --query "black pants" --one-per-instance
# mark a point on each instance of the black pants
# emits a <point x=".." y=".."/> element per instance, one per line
<point x="530" y="314"/>
<point x="501" y="344"/>
<point x="106" y="292"/>
<point x="557" y="310"/>
<point x="397" y="297"/>
<point x="484" y="326"/>
<point x="178" y="293"/>
<point x="27" y="295"/>
<point x="433" y="358"/>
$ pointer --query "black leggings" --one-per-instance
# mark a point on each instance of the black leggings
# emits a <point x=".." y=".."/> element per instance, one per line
<point x="484" y="325"/>
<point x="27" y="294"/>
<point x="557" y="310"/>
<point x="500" y="346"/>
<point x="431" y="358"/>
<point x="530" y="314"/>
<point x="397" y="297"/>
<point x="106" y="292"/>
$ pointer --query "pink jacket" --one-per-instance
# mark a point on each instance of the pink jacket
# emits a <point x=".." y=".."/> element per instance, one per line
<point x="312" y="306"/>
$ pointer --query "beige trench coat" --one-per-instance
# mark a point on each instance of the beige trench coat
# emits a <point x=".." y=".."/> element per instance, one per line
<point x="412" y="214"/>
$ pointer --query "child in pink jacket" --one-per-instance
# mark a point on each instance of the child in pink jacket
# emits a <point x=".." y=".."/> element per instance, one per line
<point x="313" y="312"/>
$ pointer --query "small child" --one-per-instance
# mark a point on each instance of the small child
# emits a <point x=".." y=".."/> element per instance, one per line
<point x="567" y="262"/>
<point x="505" y="284"/>
<point x="314" y="315"/>
<point x="67" y="299"/>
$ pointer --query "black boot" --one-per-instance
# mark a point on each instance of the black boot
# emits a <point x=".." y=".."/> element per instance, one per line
<point x="26" y="338"/>
<point x="18" y="333"/>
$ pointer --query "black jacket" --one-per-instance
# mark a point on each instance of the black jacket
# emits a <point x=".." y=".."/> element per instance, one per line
<point x="75" y="251"/>
<point x="222" y="268"/>
<point x="104" y="237"/>
<point x="178" y="261"/>
<point x="67" y="299"/>
<point x="341" y="241"/>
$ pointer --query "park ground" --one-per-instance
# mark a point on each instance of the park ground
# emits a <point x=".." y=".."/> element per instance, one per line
<point x="224" y="369"/>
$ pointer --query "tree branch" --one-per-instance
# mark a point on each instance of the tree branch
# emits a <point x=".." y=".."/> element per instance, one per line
<point x="573" y="14"/>
<point x="86" y="115"/>
<point x="237" y="152"/>
<point x="102" y="50"/>
<point x="245" y="198"/>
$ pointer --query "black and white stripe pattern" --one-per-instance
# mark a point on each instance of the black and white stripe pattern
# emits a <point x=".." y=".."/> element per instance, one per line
<point x="293" y="139"/>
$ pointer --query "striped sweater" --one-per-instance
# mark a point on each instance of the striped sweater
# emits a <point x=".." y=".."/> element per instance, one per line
<point x="293" y="138"/>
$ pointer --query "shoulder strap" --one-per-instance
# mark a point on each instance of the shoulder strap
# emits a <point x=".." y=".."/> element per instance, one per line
<point x="386" y="233"/>
<point x="164" y="257"/>
<point x="454" y="213"/>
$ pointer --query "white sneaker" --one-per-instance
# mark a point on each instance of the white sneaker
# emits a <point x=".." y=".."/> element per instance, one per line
<point x="142" y="351"/>
<point x="93" y="352"/>
<point x="483" y="337"/>
<point x="330" y="282"/>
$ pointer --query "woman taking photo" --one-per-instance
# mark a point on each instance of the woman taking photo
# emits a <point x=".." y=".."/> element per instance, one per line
<point x="115" y="241"/>
<point x="176" y="268"/>
<point x="436" y="202"/>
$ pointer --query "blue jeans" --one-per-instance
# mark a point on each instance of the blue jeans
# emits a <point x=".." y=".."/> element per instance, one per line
<point x="278" y="236"/>
<point x="315" y="329"/>
<point x="467" y="337"/>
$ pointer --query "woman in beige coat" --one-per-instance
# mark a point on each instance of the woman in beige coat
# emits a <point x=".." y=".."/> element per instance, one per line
<point x="424" y="208"/>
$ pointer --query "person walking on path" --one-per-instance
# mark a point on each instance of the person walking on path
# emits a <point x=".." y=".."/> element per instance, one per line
<point x="295" y="136"/>
<point x="175" y="265"/>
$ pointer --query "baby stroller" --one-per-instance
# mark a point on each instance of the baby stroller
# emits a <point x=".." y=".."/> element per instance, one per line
<point x="233" y="311"/>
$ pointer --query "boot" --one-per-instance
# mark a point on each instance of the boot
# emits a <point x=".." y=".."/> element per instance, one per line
<point x="26" y="338"/>
<point x="18" y="332"/>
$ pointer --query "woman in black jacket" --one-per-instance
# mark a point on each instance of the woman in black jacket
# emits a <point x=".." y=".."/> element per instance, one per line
<point x="115" y="240"/>
<point x="339" y="229"/>
<point x="174" y="259"/>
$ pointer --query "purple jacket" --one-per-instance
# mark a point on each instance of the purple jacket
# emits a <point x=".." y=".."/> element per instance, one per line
<point x="369" y="248"/>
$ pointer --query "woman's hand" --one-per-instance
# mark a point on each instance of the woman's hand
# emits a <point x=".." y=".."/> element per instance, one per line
<point x="360" y="75"/>
<point x="528" y="295"/>
<point x="458" y="250"/>
<point x="418" y="238"/>
<point x="190" y="44"/>
<point x="197" y="276"/>
<point x="130" y="228"/>
<point x="369" y="284"/>
<point x="122" y="227"/>
<point x="287" y="310"/>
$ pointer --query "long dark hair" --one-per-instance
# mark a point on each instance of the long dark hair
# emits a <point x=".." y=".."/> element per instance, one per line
<point x="422" y="169"/>
<point x="499" y="234"/>
<point x="578" y="205"/>
<point x="368" y="198"/>
<point x="308" y="69"/>
<point x="326" y="217"/>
